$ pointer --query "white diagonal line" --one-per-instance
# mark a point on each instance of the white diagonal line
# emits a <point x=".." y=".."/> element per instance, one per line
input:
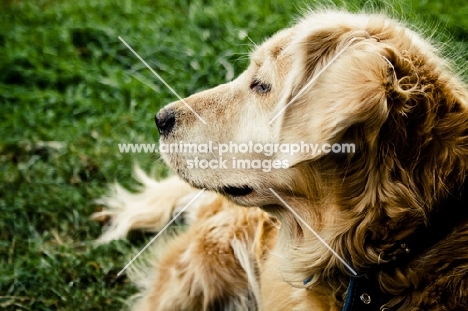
<point x="160" y="232"/>
<point x="162" y="80"/>
<point x="312" y="80"/>
<point x="313" y="231"/>
<point x="144" y="81"/>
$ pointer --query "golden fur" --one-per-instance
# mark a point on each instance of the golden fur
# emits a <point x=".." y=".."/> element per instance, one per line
<point x="390" y="94"/>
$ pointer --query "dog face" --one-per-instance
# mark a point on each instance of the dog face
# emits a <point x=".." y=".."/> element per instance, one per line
<point x="332" y="78"/>
<point x="236" y="113"/>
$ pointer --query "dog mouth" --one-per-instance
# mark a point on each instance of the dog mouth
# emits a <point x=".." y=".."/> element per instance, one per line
<point x="233" y="191"/>
<point x="236" y="191"/>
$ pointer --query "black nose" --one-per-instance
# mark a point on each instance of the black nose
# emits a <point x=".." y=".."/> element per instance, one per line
<point x="165" y="120"/>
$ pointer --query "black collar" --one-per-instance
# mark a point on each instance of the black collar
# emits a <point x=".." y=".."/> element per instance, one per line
<point x="364" y="292"/>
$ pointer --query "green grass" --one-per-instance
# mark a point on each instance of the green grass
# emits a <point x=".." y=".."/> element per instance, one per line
<point x="70" y="91"/>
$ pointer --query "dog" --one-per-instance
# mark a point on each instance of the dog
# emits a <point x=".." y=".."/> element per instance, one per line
<point x="383" y="227"/>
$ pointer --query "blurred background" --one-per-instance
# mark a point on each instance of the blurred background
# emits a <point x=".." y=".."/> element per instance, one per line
<point x="70" y="91"/>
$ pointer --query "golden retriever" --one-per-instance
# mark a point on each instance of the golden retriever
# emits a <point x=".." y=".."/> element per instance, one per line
<point x="381" y="227"/>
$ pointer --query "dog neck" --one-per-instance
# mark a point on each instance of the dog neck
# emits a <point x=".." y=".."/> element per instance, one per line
<point x="445" y="217"/>
<point x="364" y="292"/>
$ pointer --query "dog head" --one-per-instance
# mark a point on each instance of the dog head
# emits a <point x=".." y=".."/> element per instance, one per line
<point x="334" y="78"/>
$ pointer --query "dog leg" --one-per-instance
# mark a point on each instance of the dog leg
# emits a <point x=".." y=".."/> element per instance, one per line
<point x="215" y="264"/>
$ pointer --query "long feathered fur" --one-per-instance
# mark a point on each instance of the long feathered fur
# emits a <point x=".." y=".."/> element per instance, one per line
<point x="411" y="133"/>
<point x="403" y="107"/>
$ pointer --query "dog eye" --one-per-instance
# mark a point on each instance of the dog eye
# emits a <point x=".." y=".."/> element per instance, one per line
<point x="259" y="87"/>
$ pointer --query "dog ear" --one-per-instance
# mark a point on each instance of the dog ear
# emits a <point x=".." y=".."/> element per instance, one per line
<point x="350" y="89"/>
